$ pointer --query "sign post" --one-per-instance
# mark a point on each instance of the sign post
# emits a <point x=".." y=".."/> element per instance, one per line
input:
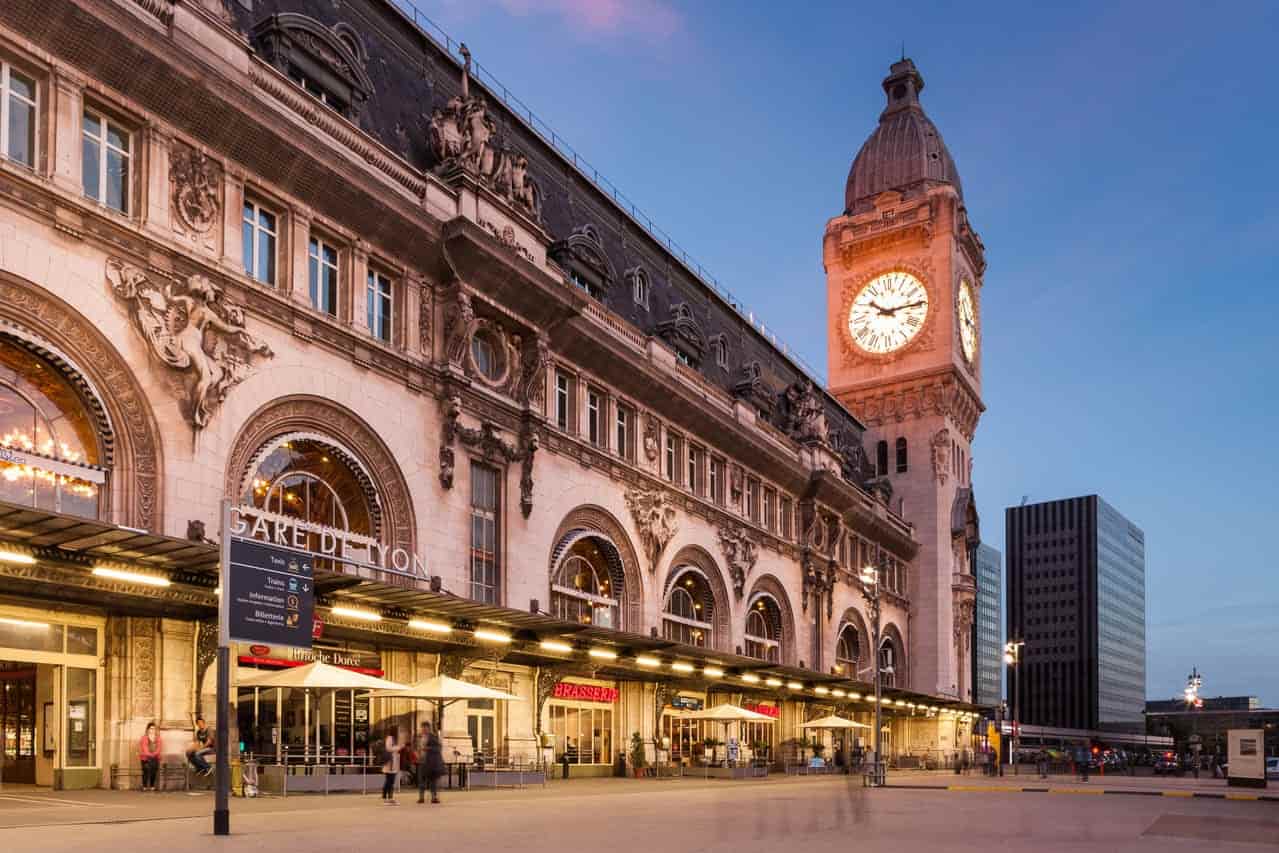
<point x="267" y="596"/>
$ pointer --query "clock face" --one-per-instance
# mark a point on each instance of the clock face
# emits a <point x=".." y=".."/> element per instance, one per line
<point x="888" y="312"/>
<point x="967" y="321"/>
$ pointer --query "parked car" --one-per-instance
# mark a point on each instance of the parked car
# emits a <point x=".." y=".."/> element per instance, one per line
<point x="1272" y="768"/>
<point x="1167" y="764"/>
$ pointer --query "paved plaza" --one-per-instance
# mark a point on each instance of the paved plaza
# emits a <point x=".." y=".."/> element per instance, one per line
<point x="687" y="815"/>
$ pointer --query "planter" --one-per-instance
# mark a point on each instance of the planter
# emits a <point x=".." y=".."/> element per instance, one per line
<point x="639" y="772"/>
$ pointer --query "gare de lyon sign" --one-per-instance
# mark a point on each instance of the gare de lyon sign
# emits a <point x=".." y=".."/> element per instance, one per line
<point x="269" y="583"/>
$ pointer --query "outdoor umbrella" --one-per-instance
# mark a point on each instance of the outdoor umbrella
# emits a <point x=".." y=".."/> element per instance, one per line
<point x="728" y="714"/>
<point x="834" y="722"/>
<point x="319" y="676"/>
<point x="443" y="690"/>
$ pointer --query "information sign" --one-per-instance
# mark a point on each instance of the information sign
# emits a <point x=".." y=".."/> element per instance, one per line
<point x="270" y="594"/>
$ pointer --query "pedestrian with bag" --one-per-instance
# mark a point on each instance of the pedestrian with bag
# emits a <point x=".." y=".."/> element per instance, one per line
<point x="390" y="767"/>
<point x="430" y="764"/>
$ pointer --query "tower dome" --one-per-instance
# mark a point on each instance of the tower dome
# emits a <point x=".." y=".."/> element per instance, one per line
<point x="906" y="152"/>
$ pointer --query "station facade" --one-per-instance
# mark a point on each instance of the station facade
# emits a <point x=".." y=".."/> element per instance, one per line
<point x="300" y="256"/>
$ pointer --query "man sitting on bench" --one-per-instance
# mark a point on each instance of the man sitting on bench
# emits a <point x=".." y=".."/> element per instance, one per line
<point x="201" y="748"/>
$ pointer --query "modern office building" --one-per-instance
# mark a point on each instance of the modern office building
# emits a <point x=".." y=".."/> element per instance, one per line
<point x="988" y="628"/>
<point x="1077" y="599"/>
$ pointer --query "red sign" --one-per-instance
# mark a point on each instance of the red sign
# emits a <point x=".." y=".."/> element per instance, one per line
<point x="584" y="692"/>
<point x="317" y="627"/>
<point x="767" y="710"/>
<point x="259" y="650"/>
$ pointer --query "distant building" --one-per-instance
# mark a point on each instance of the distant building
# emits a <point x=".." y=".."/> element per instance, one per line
<point x="988" y="628"/>
<point x="1217" y="703"/>
<point x="1076" y="595"/>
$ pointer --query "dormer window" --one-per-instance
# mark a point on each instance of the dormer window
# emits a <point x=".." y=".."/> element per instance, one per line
<point x="639" y="286"/>
<point x="684" y="335"/>
<point x="582" y="256"/>
<point x="719" y="351"/>
<point x="326" y="64"/>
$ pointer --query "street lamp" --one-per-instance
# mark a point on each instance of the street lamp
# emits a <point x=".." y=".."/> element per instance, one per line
<point x="870" y="591"/>
<point x="1012" y="657"/>
<point x="1193" y="682"/>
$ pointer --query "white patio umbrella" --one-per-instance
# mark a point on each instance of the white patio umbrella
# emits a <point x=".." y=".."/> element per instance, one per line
<point x="728" y="714"/>
<point x="319" y="676"/>
<point x="443" y="691"/>
<point x="834" y="722"/>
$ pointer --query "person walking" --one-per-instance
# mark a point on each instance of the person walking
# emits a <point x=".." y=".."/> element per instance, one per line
<point x="149" y="755"/>
<point x="390" y="768"/>
<point x="430" y="766"/>
<point x="1041" y="759"/>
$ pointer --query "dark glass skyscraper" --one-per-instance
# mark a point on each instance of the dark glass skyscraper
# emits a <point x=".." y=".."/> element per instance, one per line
<point x="1076" y="595"/>
<point x="988" y="628"/>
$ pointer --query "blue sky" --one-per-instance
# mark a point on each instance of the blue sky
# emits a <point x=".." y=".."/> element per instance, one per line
<point x="1121" y="163"/>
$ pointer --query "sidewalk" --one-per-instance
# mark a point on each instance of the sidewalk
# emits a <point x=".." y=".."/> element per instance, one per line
<point x="1166" y="786"/>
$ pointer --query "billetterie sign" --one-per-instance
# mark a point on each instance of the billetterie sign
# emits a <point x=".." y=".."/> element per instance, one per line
<point x="342" y="546"/>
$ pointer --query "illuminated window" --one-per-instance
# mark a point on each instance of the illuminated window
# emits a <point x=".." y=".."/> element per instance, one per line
<point x="763" y="629"/>
<point x="848" y="652"/>
<point x="689" y="608"/>
<point x="584" y="589"/>
<point x="485" y="570"/>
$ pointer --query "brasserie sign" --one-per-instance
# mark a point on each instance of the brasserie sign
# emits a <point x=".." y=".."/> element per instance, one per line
<point x="320" y="541"/>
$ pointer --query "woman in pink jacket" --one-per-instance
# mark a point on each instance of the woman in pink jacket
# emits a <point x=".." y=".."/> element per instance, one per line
<point x="149" y="753"/>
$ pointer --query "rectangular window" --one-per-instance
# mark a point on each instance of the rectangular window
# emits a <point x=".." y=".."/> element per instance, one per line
<point x="484" y="531"/>
<point x="672" y="458"/>
<point x="323" y="271"/>
<point x="694" y="469"/>
<point x="786" y="518"/>
<point x="378" y="299"/>
<point x="770" y="510"/>
<point x="259" y="231"/>
<point x="105" y="153"/>
<point x="563" y="400"/>
<point x="625" y="418"/>
<point x="17" y="116"/>
<point x="716" y="491"/>
<point x="752" y="500"/>
<point x="594" y="417"/>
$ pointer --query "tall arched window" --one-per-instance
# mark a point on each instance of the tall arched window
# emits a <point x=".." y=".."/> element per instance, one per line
<point x="881" y="458"/>
<point x="848" y="652"/>
<point x="902" y="461"/>
<point x="763" y="629"/>
<point x="689" y="609"/>
<point x="888" y="662"/>
<point x="584" y="588"/>
<point x="54" y="456"/>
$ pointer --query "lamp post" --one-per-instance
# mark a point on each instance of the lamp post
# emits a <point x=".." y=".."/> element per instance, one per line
<point x="1012" y="657"/>
<point x="870" y="591"/>
<point x="1193" y="682"/>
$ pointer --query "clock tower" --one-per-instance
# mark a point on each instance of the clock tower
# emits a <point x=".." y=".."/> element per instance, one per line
<point x="904" y="273"/>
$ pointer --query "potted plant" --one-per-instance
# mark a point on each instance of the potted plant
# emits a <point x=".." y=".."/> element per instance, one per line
<point x="711" y="743"/>
<point x="638" y="760"/>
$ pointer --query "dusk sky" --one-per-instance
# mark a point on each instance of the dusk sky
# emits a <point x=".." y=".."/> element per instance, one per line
<point x="1120" y="162"/>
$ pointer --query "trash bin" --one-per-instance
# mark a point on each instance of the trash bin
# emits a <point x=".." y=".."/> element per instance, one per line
<point x="564" y="764"/>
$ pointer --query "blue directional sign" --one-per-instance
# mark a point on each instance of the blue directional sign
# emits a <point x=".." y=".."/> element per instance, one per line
<point x="271" y="594"/>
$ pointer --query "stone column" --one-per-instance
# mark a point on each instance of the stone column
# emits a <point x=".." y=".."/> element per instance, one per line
<point x="232" y="217"/>
<point x="68" y="111"/>
<point x="151" y="162"/>
<point x="293" y="257"/>
<point x="353" y="281"/>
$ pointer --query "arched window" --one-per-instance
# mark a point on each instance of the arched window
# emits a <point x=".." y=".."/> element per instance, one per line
<point x="848" y="652"/>
<point x="54" y="457"/>
<point x="584" y="589"/>
<point x="313" y="481"/>
<point x="639" y="288"/>
<point x="902" y="461"/>
<point x="881" y="458"/>
<point x="888" y="662"/>
<point x="763" y="629"/>
<point x="689" y="610"/>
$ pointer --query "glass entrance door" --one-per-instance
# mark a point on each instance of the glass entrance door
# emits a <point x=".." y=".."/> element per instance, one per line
<point x="481" y="725"/>
<point x="18" y="722"/>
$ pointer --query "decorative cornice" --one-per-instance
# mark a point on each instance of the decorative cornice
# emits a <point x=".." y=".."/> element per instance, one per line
<point x="161" y="9"/>
<point x="939" y="394"/>
<point x="361" y="144"/>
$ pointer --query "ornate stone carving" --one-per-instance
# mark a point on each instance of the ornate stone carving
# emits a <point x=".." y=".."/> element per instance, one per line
<point x="855" y="465"/>
<point x="537" y="358"/>
<point x="143" y="678"/>
<point x="740" y="553"/>
<point x="547" y="678"/>
<point x="806" y="414"/>
<point x="459" y="318"/>
<point x="487" y="440"/>
<point x="464" y="136"/>
<point x="656" y="519"/>
<point x="735" y="478"/>
<point x="288" y="40"/>
<point x="425" y="319"/>
<point x="940" y="394"/>
<point x="682" y="331"/>
<point x="191" y="329"/>
<point x="662" y="693"/>
<point x="819" y="574"/>
<point x="652" y="437"/>
<point x="940" y="447"/>
<point x="582" y="253"/>
<point x="197" y="183"/>
<point x="206" y="652"/>
<point x="751" y="387"/>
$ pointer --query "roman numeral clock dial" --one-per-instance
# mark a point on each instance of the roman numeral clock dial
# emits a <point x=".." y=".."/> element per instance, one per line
<point x="888" y="312"/>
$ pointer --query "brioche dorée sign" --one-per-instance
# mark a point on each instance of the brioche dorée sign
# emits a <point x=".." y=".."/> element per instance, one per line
<point x="767" y="710"/>
<point x="584" y="692"/>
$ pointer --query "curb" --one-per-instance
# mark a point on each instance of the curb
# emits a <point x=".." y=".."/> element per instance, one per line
<point x="1016" y="789"/>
